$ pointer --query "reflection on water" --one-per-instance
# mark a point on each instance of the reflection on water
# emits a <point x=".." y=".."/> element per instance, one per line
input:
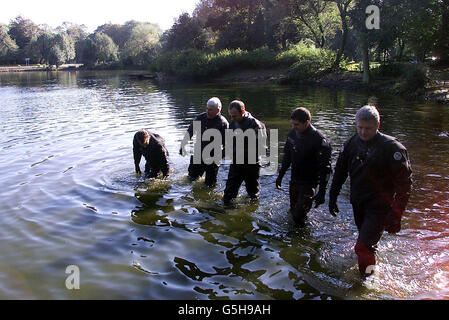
<point x="70" y="196"/>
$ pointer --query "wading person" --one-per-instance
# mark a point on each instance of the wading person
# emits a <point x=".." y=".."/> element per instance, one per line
<point x="309" y="154"/>
<point x="245" y="166"/>
<point x="380" y="184"/>
<point x="211" y="119"/>
<point x="152" y="147"/>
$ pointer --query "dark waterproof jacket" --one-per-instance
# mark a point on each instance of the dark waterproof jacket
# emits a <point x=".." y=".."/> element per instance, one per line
<point x="309" y="154"/>
<point x="248" y="123"/>
<point x="219" y="122"/>
<point x="379" y="170"/>
<point x="156" y="154"/>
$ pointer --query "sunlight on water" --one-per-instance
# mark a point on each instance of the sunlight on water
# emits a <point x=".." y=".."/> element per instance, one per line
<point x="70" y="196"/>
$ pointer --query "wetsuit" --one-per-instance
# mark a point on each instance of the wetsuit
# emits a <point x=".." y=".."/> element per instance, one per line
<point x="156" y="155"/>
<point x="197" y="170"/>
<point x="309" y="154"/>
<point x="381" y="178"/>
<point x="245" y="172"/>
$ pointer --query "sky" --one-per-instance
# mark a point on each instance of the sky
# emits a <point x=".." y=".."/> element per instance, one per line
<point x="94" y="13"/>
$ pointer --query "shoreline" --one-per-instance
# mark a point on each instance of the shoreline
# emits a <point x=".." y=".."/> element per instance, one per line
<point x="437" y="91"/>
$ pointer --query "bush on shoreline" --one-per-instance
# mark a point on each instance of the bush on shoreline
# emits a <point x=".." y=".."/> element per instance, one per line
<point x="198" y="64"/>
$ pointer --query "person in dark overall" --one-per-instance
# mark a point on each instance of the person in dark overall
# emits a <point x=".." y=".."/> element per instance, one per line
<point x="211" y="119"/>
<point x="152" y="147"/>
<point x="380" y="184"/>
<point x="245" y="166"/>
<point x="309" y="153"/>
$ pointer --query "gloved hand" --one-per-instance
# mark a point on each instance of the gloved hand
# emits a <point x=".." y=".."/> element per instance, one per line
<point x="279" y="182"/>
<point x="181" y="151"/>
<point x="320" y="198"/>
<point x="138" y="170"/>
<point x="333" y="208"/>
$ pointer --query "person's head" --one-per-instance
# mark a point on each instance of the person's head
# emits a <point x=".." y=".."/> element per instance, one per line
<point x="213" y="107"/>
<point x="143" y="138"/>
<point x="236" y="110"/>
<point x="367" y="121"/>
<point x="300" y="119"/>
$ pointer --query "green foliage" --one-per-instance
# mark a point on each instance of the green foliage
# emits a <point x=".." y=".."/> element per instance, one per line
<point x="198" y="64"/>
<point x="186" y="32"/>
<point x="23" y="31"/>
<point x="99" y="49"/>
<point x="8" y="47"/>
<point x="413" y="80"/>
<point x="142" y="46"/>
<point x="311" y="62"/>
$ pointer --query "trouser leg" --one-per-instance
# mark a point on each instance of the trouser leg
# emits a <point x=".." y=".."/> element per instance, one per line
<point x="211" y="174"/>
<point x="301" y="200"/>
<point x="252" y="174"/>
<point x="235" y="179"/>
<point x="151" y="172"/>
<point x="195" y="170"/>
<point x="370" y="221"/>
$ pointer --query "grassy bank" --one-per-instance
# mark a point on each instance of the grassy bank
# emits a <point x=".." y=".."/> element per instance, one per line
<point x="302" y="62"/>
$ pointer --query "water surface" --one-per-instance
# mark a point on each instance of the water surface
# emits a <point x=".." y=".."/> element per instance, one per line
<point x="69" y="196"/>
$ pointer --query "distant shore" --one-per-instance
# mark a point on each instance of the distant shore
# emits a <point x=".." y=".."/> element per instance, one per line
<point x="39" y="67"/>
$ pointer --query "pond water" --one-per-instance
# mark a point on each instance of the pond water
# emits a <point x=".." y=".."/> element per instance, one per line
<point x="69" y="196"/>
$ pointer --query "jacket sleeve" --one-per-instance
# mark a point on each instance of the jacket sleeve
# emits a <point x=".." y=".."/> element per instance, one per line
<point x="165" y="167"/>
<point x="286" y="161"/>
<point x="401" y="172"/>
<point x="340" y="174"/>
<point x="136" y="152"/>
<point x="324" y="163"/>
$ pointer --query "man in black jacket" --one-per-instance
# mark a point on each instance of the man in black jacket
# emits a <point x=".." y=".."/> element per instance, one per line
<point x="309" y="153"/>
<point x="245" y="152"/>
<point x="152" y="147"/>
<point x="211" y="119"/>
<point x="381" y="178"/>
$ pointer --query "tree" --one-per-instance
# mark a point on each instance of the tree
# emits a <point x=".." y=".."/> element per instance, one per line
<point x="8" y="47"/>
<point x="319" y="18"/>
<point x="143" y="45"/>
<point x="23" y="31"/>
<point x="343" y="9"/>
<point x="98" y="49"/>
<point x="187" y="32"/>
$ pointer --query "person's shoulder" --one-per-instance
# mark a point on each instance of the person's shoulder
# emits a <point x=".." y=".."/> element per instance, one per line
<point x="320" y="136"/>
<point x="392" y="142"/>
<point x="201" y="116"/>
<point x="223" y="119"/>
<point x="349" y="142"/>
<point x="256" y="123"/>
<point x="157" y="137"/>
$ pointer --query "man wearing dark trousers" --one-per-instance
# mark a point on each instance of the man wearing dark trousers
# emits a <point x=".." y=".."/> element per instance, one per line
<point x="211" y="119"/>
<point x="309" y="154"/>
<point x="152" y="147"/>
<point x="381" y="179"/>
<point x="245" y="165"/>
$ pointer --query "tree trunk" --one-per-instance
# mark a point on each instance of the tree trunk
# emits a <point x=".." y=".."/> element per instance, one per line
<point x="366" y="75"/>
<point x="342" y="8"/>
